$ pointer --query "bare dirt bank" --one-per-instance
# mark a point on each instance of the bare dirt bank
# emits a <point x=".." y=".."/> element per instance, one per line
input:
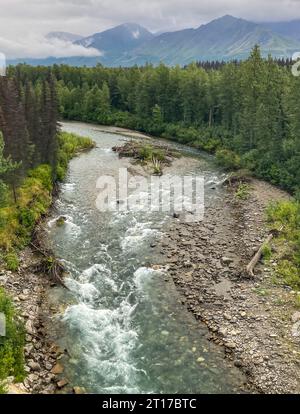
<point x="254" y="319"/>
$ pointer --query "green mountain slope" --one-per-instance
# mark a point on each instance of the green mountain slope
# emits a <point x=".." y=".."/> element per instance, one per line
<point x="225" y="38"/>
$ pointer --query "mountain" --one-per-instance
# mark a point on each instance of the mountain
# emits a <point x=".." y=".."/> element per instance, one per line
<point x="225" y="38"/>
<point x="117" y="42"/>
<point x="289" y="29"/>
<point x="64" y="36"/>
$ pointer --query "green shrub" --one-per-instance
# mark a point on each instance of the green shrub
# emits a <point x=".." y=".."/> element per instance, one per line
<point x="243" y="191"/>
<point x="284" y="217"/>
<point x="11" y="345"/>
<point x="286" y="214"/>
<point x="43" y="173"/>
<point x="145" y="152"/>
<point x="12" y="261"/>
<point x="228" y="159"/>
<point x="267" y="251"/>
<point x="69" y="145"/>
<point x="158" y="154"/>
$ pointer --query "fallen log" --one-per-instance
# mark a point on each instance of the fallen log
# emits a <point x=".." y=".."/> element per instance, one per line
<point x="256" y="258"/>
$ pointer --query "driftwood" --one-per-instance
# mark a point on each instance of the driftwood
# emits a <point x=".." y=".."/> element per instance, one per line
<point x="132" y="149"/>
<point x="256" y="258"/>
<point x="50" y="265"/>
<point x="236" y="179"/>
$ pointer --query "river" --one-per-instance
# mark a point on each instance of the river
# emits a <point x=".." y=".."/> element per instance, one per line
<point x="123" y="323"/>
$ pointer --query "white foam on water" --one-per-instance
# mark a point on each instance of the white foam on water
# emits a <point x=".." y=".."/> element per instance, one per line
<point x="69" y="222"/>
<point x="107" y="338"/>
<point x="120" y="216"/>
<point x="144" y="275"/>
<point x="102" y="254"/>
<point x="120" y="390"/>
<point x="95" y="272"/>
<point x="68" y="186"/>
<point x="92" y="284"/>
<point x="52" y="222"/>
<point x="86" y="292"/>
<point x="136" y="235"/>
<point x="68" y="225"/>
<point x="86" y="244"/>
<point x="71" y="267"/>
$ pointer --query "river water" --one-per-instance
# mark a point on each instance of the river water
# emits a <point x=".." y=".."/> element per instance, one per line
<point x="123" y="323"/>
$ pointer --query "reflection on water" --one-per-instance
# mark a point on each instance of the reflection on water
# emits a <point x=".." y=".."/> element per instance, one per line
<point x="125" y="327"/>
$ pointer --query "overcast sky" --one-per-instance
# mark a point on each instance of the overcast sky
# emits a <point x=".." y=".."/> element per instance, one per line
<point x="23" y="23"/>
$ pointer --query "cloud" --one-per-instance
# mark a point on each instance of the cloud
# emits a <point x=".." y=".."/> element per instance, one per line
<point x="39" y="47"/>
<point x="24" y="23"/>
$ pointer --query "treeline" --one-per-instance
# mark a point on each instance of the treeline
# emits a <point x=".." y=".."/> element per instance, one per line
<point x="248" y="113"/>
<point x="34" y="154"/>
<point x="28" y="138"/>
<point x="217" y="64"/>
<point x="28" y="126"/>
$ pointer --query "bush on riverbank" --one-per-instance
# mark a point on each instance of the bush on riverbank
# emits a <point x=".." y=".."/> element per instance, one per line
<point x="285" y="218"/>
<point x="69" y="146"/>
<point x="12" y="344"/>
<point x="17" y="220"/>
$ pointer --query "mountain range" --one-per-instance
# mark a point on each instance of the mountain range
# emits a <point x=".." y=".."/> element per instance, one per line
<point x="225" y="38"/>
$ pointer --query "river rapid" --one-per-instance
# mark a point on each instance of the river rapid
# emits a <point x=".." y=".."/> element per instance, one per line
<point x="123" y="323"/>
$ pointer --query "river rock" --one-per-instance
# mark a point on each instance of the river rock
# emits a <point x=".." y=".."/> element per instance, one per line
<point x="62" y="383"/>
<point x="48" y="366"/>
<point x="57" y="369"/>
<point x="296" y="317"/>
<point x="29" y="328"/>
<point x="16" y="389"/>
<point x="226" y="260"/>
<point x="34" y="366"/>
<point x="230" y="345"/>
<point x="79" y="390"/>
<point x="296" y="330"/>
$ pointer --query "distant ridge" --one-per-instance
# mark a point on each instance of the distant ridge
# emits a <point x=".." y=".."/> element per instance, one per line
<point x="288" y="29"/>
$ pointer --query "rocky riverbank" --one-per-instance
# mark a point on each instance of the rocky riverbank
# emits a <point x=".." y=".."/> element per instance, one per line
<point x="28" y="290"/>
<point x="254" y="319"/>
